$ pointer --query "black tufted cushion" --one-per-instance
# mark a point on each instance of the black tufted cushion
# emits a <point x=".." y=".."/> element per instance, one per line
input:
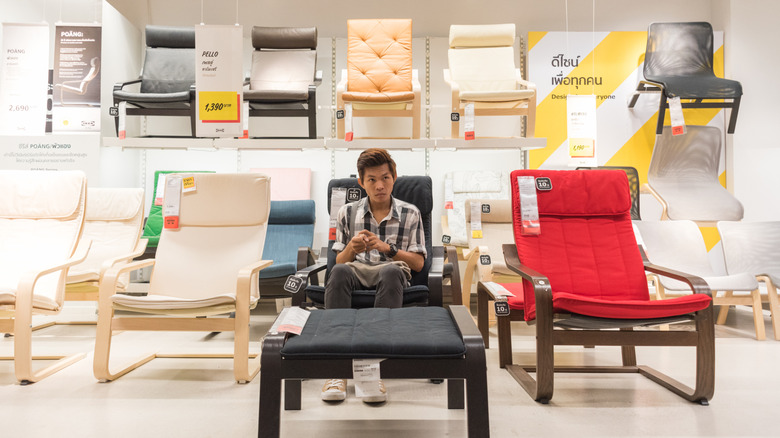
<point x="413" y="332"/>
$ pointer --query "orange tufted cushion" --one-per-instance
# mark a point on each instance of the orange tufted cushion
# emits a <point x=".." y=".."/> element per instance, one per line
<point x="379" y="60"/>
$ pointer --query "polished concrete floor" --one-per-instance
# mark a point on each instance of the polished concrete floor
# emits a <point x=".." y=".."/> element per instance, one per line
<point x="198" y="398"/>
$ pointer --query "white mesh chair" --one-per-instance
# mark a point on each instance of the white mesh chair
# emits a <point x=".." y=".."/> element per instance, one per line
<point x="496" y="218"/>
<point x="469" y="184"/>
<point x="206" y="267"/>
<point x="754" y="248"/>
<point x="41" y="220"/>
<point x="683" y="177"/>
<point x="679" y="245"/>
<point x="482" y="71"/>
<point x="114" y="221"/>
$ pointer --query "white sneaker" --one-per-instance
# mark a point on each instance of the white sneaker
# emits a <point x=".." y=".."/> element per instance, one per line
<point x="381" y="397"/>
<point x="334" y="390"/>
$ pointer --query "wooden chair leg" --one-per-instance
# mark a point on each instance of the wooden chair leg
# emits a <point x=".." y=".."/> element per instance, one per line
<point x="758" y="315"/>
<point x="482" y="314"/>
<point x="774" y="306"/>
<point x="103" y="336"/>
<point x="724" y="308"/>
<point x="504" y="341"/>
<point x="628" y="351"/>
<point x="244" y="370"/>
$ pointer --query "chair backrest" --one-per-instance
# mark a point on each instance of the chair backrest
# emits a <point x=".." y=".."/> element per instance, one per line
<point x="169" y="65"/>
<point x="222" y="227"/>
<point x="481" y="57"/>
<point x="41" y="221"/>
<point x="678" y="245"/>
<point x="289" y="184"/>
<point x="685" y="167"/>
<point x="113" y="223"/>
<point x="290" y="226"/>
<point x="379" y="55"/>
<point x="751" y="247"/>
<point x="678" y="49"/>
<point x="417" y="190"/>
<point x="586" y="245"/>
<point x="284" y="58"/>
<point x="633" y="185"/>
<point x="496" y="228"/>
<point x="476" y="184"/>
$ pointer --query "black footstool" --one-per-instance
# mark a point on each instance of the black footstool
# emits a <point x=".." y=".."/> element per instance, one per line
<point x="418" y="343"/>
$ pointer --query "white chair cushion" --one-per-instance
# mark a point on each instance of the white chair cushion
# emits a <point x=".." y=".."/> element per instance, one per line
<point x="161" y="302"/>
<point x="468" y="185"/>
<point x="483" y="69"/>
<point x="496" y="96"/>
<point x="49" y="195"/>
<point x="489" y="35"/>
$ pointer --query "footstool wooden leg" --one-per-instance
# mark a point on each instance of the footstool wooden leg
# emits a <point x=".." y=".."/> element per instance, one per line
<point x="455" y="394"/>
<point x="270" y="387"/>
<point x="292" y="395"/>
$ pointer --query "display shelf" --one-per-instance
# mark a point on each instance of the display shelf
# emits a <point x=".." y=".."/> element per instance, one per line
<point x="320" y="143"/>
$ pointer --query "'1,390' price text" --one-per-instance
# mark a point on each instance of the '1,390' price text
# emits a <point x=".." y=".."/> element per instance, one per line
<point x="216" y="106"/>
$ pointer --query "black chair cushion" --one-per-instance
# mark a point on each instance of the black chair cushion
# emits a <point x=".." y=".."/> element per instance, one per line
<point x="170" y="36"/>
<point x="414" y="332"/>
<point x="361" y="299"/>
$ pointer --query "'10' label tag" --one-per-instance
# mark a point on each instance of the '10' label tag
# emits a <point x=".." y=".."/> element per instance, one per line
<point x="486" y="208"/>
<point x="445" y="239"/>
<point x="484" y="259"/>
<point x="293" y="284"/>
<point x="502" y="308"/>
<point x="353" y="194"/>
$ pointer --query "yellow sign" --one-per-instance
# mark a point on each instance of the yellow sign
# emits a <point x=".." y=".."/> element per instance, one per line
<point x="581" y="147"/>
<point x="219" y="107"/>
<point x="476" y="234"/>
<point x="188" y="184"/>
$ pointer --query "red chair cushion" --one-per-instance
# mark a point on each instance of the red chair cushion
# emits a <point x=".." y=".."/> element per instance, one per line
<point x="628" y="309"/>
<point x="587" y="247"/>
<point x="515" y="302"/>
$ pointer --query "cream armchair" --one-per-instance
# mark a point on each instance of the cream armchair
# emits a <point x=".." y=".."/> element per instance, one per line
<point x="206" y="267"/>
<point x="41" y="220"/>
<point x="482" y="71"/>
<point x="113" y="224"/>
<point x="379" y="80"/>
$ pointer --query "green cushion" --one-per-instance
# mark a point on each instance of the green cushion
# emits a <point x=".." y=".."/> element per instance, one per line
<point x="154" y="222"/>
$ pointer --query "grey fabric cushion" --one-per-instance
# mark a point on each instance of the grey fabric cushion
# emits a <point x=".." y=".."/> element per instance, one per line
<point x="170" y="36"/>
<point x="414" y="332"/>
<point x="284" y="37"/>
<point x="276" y="95"/>
<point x="168" y="70"/>
<point x="281" y="75"/>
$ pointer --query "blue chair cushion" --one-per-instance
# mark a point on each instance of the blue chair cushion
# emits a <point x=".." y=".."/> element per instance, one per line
<point x="361" y="299"/>
<point x="291" y="212"/>
<point x="278" y="270"/>
<point x="410" y="333"/>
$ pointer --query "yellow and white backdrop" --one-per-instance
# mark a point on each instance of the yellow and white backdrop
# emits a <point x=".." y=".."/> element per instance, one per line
<point x="609" y="65"/>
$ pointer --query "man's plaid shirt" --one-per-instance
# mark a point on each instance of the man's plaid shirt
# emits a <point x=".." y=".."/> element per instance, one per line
<point x="402" y="226"/>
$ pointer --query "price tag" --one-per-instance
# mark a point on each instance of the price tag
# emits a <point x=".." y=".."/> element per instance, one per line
<point x="445" y="239"/>
<point x="353" y="194"/>
<point x="338" y="197"/>
<point x="348" y="121"/>
<point x="484" y="259"/>
<point x="476" y="220"/>
<point x="172" y="202"/>
<point x="158" y="195"/>
<point x="676" y="116"/>
<point x="502" y="307"/>
<point x="219" y="107"/>
<point x="468" y="114"/>
<point x="340" y="114"/>
<point x="245" y="109"/>
<point x="543" y="184"/>
<point x="485" y="208"/>
<point x="188" y="184"/>
<point x="366" y="373"/>
<point x="455" y="117"/>
<point x="529" y="209"/>
<point x="113" y="111"/>
<point x="449" y="195"/>
<point x="582" y="147"/>
<point x="122" y="114"/>
<point x="293" y="284"/>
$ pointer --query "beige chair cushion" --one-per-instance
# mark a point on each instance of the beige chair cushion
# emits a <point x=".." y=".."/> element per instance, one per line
<point x="481" y="35"/>
<point x="468" y="184"/>
<point x="161" y="302"/>
<point x="222" y="230"/>
<point x="496" y="231"/>
<point x="483" y="69"/>
<point x="41" y="219"/>
<point x="114" y="222"/>
<point x="285" y="74"/>
<point x="496" y="96"/>
<point x="379" y="59"/>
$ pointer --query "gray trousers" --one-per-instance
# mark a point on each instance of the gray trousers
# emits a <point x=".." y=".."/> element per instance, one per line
<point x="342" y="281"/>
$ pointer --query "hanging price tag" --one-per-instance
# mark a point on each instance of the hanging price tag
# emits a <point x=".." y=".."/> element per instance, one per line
<point x="245" y="109"/>
<point x="676" y="116"/>
<point x="449" y="195"/>
<point x="122" y="119"/>
<point x="338" y="197"/>
<point x="476" y="220"/>
<point x="158" y="195"/>
<point x="219" y="107"/>
<point x="293" y="284"/>
<point x="366" y="373"/>
<point x="188" y="184"/>
<point x="172" y="202"/>
<point x="529" y="209"/>
<point x="468" y="115"/>
<point x="348" y="122"/>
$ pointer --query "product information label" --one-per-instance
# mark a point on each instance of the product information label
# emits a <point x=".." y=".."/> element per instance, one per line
<point x="676" y="116"/>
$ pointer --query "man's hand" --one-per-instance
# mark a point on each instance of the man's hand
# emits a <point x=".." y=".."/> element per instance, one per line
<point x="359" y="243"/>
<point x="372" y="242"/>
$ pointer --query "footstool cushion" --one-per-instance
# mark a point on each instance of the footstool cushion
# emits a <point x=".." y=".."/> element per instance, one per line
<point x="410" y="332"/>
